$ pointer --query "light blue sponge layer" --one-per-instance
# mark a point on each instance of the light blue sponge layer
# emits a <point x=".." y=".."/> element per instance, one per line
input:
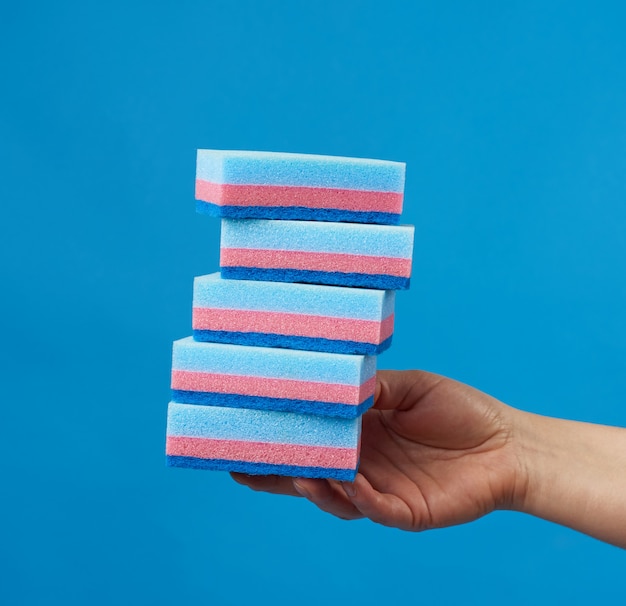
<point x="335" y="301"/>
<point x="261" y="426"/>
<point x="299" y="170"/>
<point x="316" y="236"/>
<point x="267" y="362"/>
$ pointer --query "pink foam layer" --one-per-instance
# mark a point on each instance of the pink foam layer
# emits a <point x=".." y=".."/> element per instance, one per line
<point x="187" y="380"/>
<point x="308" y="197"/>
<point x="302" y="325"/>
<point x="262" y="452"/>
<point x="315" y="261"/>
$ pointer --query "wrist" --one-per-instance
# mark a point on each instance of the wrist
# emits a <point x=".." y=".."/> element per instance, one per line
<point x="538" y="457"/>
<point x="571" y="473"/>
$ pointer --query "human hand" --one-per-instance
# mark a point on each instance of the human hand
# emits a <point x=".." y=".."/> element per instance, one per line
<point x="434" y="453"/>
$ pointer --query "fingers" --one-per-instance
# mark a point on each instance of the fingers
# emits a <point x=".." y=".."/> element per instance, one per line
<point x="271" y="484"/>
<point x="328" y="496"/>
<point x="385" y="509"/>
<point x="348" y="501"/>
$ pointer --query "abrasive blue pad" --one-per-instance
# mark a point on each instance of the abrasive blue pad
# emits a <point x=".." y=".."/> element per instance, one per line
<point x="268" y="185"/>
<point x="344" y="254"/>
<point x="272" y="378"/>
<point x="297" y="316"/>
<point x="262" y="442"/>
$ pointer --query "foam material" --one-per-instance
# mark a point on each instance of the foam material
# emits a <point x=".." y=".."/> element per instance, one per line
<point x="277" y="379"/>
<point x="263" y="469"/>
<point x="261" y="426"/>
<point x="262" y="442"/>
<point x="345" y="254"/>
<point x="299" y="316"/>
<point x="258" y="339"/>
<point x="305" y="170"/>
<point x="340" y="238"/>
<point x="269" y="185"/>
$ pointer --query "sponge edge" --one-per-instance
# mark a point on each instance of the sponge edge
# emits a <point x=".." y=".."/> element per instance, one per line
<point x="296" y="316"/>
<point x="262" y="442"/>
<point x="240" y="184"/>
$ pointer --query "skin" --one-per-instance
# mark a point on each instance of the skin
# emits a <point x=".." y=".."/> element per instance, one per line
<point x="437" y="453"/>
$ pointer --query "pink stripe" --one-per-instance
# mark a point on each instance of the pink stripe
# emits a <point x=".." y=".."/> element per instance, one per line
<point x="262" y="452"/>
<point x="386" y="327"/>
<point x="315" y="261"/>
<point x="308" y="197"/>
<point x="188" y="380"/>
<point x="283" y="323"/>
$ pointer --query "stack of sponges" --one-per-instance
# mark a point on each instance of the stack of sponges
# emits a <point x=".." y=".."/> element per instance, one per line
<point x="282" y="364"/>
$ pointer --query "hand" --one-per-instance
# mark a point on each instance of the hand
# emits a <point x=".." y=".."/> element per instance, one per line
<point x="434" y="453"/>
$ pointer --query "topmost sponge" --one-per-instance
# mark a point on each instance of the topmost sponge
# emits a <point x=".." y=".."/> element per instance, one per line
<point x="266" y="185"/>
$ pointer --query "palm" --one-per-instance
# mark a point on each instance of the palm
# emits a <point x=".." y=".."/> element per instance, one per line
<point x="439" y="456"/>
<point x="434" y="453"/>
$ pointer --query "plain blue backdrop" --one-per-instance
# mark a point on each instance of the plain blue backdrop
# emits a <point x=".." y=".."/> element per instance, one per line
<point x="511" y="118"/>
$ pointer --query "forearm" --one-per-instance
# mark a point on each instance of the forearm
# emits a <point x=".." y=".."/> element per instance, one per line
<point x="575" y="475"/>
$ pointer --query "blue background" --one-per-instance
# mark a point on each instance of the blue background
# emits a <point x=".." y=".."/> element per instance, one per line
<point x="512" y="121"/>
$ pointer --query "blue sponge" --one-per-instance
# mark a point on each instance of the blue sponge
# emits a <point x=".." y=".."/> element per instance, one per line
<point x="277" y="379"/>
<point x="262" y="442"/>
<point x="267" y="185"/>
<point x="345" y="254"/>
<point x="297" y="316"/>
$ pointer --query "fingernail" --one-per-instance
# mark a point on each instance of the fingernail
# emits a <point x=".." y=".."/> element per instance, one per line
<point x="349" y="488"/>
<point x="300" y="489"/>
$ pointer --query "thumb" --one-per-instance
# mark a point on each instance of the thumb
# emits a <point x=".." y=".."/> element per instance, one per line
<point x="402" y="389"/>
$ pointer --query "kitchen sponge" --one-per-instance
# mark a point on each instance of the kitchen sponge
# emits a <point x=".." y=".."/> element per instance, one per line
<point x="240" y="376"/>
<point x="262" y="442"/>
<point x="297" y="316"/>
<point x="267" y="185"/>
<point x="343" y="254"/>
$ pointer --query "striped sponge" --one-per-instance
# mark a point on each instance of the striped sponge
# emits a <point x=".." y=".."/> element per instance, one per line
<point x="240" y="376"/>
<point x="344" y="254"/>
<point x="262" y="442"/>
<point x="297" y="316"/>
<point x="265" y="185"/>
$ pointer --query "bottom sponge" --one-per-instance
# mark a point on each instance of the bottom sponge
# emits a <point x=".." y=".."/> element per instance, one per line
<point x="262" y="442"/>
